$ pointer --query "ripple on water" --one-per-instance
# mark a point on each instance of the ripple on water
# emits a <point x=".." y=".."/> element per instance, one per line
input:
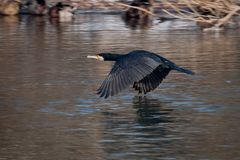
<point x="65" y="108"/>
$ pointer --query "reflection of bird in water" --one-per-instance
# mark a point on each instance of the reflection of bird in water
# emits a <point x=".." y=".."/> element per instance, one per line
<point x="143" y="69"/>
<point x="151" y="111"/>
<point x="142" y="23"/>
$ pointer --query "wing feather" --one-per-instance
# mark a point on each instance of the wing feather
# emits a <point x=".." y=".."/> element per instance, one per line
<point x="152" y="80"/>
<point x="125" y="72"/>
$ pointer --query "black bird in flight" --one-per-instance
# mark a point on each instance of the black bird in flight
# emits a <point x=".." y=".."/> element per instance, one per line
<point x="142" y="69"/>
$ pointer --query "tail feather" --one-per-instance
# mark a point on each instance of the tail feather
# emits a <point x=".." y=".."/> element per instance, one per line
<point x="183" y="70"/>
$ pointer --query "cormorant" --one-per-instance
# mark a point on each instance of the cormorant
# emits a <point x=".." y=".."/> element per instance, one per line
<point x="142" y="69"/>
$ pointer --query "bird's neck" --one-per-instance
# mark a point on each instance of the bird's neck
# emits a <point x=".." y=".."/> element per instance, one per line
<point x="113" y="57"/>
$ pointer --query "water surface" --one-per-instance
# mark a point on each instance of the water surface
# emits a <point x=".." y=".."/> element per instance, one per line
<point x="49" y="109"/>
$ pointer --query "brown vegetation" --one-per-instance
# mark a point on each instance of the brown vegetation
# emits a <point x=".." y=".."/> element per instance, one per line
<point x="212" y="13"/>
<point x="207" y="13"/>
<point x="8" y="7"/>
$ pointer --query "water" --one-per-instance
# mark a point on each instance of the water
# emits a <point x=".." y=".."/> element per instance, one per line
<point x="49" y="109"/>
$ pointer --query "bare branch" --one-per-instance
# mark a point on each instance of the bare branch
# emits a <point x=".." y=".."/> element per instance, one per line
<point x="215" y="12"/>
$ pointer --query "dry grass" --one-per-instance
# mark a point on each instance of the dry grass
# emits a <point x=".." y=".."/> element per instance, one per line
<point x="207" y="13"/>
<point x="215" y="13"/>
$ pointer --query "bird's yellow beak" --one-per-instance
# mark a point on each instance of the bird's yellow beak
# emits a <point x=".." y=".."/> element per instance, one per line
<point x="96" y="57"/>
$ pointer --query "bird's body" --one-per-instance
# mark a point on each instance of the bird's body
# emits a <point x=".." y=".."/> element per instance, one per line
<point x="142" y="69"/>
<point x="35" y="7"/>
<point x="64" y="12"/>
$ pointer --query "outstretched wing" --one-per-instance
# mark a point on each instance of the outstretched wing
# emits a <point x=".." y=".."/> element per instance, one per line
<point x="151" y="81"/>
<point x="125" y="72"/>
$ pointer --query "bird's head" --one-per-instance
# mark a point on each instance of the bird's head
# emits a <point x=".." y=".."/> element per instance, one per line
<point x="105" y="56"/>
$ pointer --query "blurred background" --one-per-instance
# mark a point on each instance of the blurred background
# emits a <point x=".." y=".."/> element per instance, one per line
<point x="48" y="103"/>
